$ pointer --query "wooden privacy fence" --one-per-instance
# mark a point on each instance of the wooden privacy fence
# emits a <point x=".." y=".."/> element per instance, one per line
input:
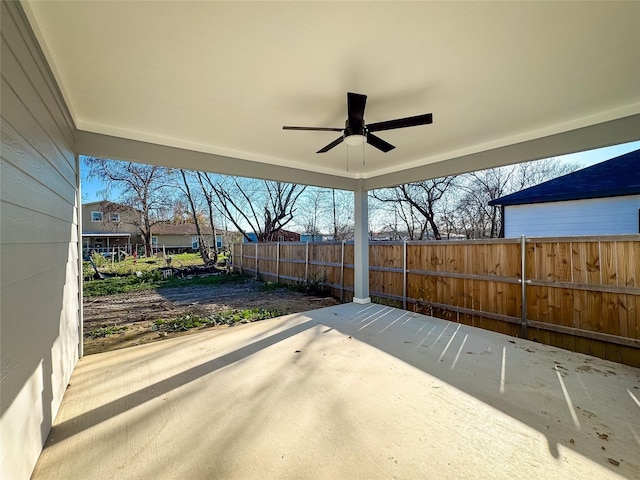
<point x="579" y="293"/>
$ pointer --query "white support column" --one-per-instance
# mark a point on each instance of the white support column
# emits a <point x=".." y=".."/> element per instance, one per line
<point x="361" y="246"/>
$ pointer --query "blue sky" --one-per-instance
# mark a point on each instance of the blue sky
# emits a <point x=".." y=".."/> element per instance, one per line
<point x="90" y="188"/>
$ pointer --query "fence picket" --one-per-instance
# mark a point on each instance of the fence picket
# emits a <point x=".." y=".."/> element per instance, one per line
<point x="581" y="293"/>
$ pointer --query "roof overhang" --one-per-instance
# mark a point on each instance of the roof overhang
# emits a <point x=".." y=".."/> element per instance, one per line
<point x="208" y="85"/>
<point x="104" y="234"/>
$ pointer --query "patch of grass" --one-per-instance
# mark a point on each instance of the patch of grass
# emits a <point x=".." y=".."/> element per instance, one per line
<point x="313" y="286"/>
<point x="202" y="280"/>
<point x="227" y="317"/>
<point x="130" y="265"/>
<point x="130" y="283"/>
<point x="150" y="280"/>
<point x="181" y="323"/>
<point x="270" y="286"/>
<point x="106" y="331"/>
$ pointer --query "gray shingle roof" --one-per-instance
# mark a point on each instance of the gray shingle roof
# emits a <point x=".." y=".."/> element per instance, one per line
<point x="613" y="178"/>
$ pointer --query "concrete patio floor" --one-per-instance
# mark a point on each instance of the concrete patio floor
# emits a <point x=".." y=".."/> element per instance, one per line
<point x="352" y="391"/>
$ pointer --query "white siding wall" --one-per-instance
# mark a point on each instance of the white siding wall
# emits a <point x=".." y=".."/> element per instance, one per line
<point x="40" y="307"/>
<point x="597" y="216"/>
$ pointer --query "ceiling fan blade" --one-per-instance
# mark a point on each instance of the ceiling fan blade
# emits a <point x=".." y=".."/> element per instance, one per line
<point x="355" y="107"/>
<point x="321" y="129"/>
<point x="379" y="143"/>
<point x="331" y="145"/>
<point x="401" y="123"/>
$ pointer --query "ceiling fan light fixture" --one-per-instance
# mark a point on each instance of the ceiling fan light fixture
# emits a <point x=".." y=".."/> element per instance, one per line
<point x="356" y="133"/>
<point x="355" y="140"/>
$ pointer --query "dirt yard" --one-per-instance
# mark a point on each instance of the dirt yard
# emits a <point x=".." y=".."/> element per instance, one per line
<point x="137" y="311"/>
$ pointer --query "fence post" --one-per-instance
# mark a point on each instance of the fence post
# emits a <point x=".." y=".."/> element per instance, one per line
<point x="306" y="265"/>
<point x="241" y="257"/>
<point x="342" y="274"/>
<point x="256" y="260"/>
<point x="523" y="284"/>
<point x="277" y="262"/>
<point x="404" y="275"/>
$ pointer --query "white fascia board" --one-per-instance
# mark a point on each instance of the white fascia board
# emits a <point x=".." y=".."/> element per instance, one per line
<point x="614" y="132"/>
<point x="117" y="148"/>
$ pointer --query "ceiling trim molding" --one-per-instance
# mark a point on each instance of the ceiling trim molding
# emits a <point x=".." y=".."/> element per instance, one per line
<point x="614" y="132"/>
<point x="117" y="148"/>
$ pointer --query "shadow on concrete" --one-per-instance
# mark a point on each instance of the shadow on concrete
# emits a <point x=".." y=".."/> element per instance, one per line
<point x="551" y="390"/>
<point x="98" y="415"/>
<point x="567" y="397"/>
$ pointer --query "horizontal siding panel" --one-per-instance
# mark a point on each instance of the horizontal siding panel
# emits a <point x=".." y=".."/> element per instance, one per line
<point x="20" y="225"/>
<point x="34" y="72"/>
<point x="39" y="281"/>
<point x="18" y="188"/>
<point x="36" y="299"/>
<point x="19" y="83"/>
<point x="21" y="261"/>
<point x="583" y="207"/>
<point x="17" y="115"/>
<point x="603" y="216"/>
<point x="17" y="152"/>
<point x="615" y="223"/>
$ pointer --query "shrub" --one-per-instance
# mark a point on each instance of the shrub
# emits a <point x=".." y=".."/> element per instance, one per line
<point x="312" y="286"/>
<point x="105" y="331"/>
<point x="226" y="317"/>
<point x="98" y="260"/>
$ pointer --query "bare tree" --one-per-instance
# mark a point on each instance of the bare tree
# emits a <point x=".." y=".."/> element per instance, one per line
<point x="203" y="248"/>
<point x="313" y="211"/>
<point x="207" y="192"/>
<point x="342" y="223"/>
<point x="419" y="202"/>
<point x="143" y="187"/>
<point x="328" y="211"/>
<point x="264" y="206"/>
<point x="401" y="219"/>
<point x="477" y="217"/>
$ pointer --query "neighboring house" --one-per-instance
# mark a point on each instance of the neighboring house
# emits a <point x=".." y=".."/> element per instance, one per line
<point x="603" y="199"/>
<point x="183" y="236"/>
<point x="107" y="226"/>
<point x="277" y="236"/>
<point x="315" y="237"/>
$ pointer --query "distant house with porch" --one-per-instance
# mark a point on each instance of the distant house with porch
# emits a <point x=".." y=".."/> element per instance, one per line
<point x="109" y="226"/>
<point x="603" y="199"/>
<point x="184" y="237"/>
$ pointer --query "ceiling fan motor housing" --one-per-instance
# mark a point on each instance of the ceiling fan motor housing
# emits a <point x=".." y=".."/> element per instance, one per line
<point x="354" y="128"/>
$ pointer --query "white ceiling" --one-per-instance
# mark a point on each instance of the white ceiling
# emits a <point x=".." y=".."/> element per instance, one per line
<point x="505" y="81"/>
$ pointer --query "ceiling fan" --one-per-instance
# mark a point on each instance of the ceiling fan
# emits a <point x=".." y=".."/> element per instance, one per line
<point x="356" y="132"/>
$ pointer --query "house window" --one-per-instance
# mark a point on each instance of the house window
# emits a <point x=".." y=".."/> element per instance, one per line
<point x="114" y="217"/>
<point x="96" y="216"/>
<point x="281" y="238"/>
<point x="154" y="240"/>
<point x="195" y="244"/>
